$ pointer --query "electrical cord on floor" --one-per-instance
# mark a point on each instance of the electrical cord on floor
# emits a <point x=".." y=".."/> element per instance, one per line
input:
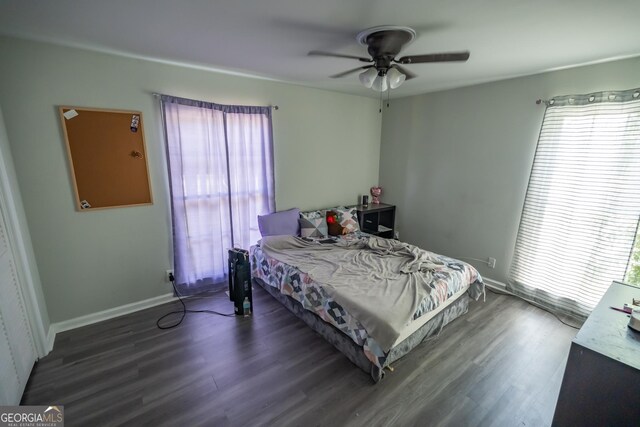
<point x="493" y="291"/>
<point x="184" y="310"/>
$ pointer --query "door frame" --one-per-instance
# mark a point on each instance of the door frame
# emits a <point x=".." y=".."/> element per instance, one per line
<point x="9" y="200"/>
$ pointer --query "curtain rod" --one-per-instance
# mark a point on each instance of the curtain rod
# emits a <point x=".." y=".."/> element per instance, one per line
<point x="158" y="95"/>
<point x="602" y="96"/>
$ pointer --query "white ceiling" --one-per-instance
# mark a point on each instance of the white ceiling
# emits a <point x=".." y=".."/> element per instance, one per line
<point x="271" y="38"/>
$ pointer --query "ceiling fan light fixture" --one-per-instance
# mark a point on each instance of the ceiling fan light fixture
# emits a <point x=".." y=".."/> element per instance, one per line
<point x="380" y="83"/>
<point x="368" y="77"/>
<point x="395" y="77"/>
<point x="385" y="69"/>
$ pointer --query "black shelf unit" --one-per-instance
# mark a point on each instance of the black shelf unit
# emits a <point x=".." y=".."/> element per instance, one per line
<point x="377" y="219"/>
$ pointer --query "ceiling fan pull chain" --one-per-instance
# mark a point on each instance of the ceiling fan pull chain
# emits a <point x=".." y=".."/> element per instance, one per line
<point x="380" y="109"/>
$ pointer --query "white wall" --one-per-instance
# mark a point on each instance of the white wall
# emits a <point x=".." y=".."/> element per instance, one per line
<point x="457" y="162"/>
<point x="326" y="153"/>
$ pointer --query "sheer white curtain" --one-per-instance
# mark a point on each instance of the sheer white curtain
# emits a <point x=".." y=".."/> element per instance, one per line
<point x="251" y="166"/>
<point x="221" y="178"/>
<point x="582" y="206"/>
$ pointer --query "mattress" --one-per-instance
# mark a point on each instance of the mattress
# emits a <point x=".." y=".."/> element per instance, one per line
<point x="312" y="296"/>
<point x="412" y="327"/>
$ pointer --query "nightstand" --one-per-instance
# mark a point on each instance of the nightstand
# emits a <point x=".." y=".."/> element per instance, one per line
<point x="377" y="219"/>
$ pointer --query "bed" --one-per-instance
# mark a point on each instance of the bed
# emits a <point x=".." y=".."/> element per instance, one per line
<point x="374" y="299"/>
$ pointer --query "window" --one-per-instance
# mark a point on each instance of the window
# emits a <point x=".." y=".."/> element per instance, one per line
<point x="221" y="178"/>
<point x="582" y="207"/>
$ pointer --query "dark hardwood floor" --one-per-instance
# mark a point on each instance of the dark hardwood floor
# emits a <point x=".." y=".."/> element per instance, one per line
<point x="499" y="365"/>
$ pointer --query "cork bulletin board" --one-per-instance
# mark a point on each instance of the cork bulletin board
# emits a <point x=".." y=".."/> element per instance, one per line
<point x="108" y="158"/>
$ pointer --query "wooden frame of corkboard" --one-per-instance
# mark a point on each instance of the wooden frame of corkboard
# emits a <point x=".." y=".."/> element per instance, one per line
<point x="108" y="159"/>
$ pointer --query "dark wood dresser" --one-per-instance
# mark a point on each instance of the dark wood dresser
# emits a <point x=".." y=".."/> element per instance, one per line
<point x="601" y="383"/>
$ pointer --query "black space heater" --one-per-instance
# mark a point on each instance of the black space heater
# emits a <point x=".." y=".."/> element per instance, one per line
<point x="240" y="281"/>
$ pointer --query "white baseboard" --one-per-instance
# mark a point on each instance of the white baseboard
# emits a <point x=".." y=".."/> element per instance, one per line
<point x="110" y="313"/>
<point x="51" y="338"/>
<point x="494" y="284"/>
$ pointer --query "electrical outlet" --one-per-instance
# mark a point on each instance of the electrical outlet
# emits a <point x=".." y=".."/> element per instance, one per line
<point x="168" y="275"/>
<point x="491" y="262"/>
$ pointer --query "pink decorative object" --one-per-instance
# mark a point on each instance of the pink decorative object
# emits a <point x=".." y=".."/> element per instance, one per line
<point x="375" y="194"/>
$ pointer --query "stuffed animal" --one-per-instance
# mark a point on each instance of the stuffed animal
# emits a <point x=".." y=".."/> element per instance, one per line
<point x="335" y="229"/>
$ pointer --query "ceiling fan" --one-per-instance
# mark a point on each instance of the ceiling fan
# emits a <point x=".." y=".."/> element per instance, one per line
<point x="385" y="71"/>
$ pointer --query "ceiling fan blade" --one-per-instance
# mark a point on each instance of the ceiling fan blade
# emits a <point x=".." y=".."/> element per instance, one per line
<point x="409" y="75"/>
<point x="346" y="73"/>
<point x="338" y="55"/>
<point x="434" y="57"/>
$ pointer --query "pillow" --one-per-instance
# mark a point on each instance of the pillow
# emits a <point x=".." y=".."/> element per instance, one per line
<point x="280" y="223"/>
<point x="313" y="227"/>
<point x="313" y="214"/>
<point x="312" y="222"/>
<point x="334" y="227"/>
<point x="348" y="218"/>
<point x="320" y="213"/>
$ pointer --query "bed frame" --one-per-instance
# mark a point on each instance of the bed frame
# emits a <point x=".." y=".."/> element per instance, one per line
<point x="352" y="350"/>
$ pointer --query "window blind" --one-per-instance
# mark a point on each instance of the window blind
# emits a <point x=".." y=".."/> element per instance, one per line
<point x="582" y="206"/>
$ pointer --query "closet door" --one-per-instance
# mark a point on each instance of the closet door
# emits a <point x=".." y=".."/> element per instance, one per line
<point x="17" y="346"/>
